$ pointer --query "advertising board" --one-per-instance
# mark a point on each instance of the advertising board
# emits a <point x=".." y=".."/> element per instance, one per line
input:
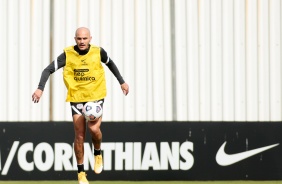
<point x="145" y="151"/>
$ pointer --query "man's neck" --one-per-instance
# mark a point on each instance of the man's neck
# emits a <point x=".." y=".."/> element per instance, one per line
<point x="81" y="52"/>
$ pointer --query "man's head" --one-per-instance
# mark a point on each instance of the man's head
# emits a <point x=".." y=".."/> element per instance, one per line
<point x="82" y="38"/>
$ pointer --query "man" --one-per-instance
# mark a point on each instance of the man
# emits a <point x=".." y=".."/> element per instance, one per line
<point x="84" y="77"/>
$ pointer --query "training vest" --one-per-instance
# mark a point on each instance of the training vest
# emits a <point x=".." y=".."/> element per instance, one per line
<point x="84" y="75"/>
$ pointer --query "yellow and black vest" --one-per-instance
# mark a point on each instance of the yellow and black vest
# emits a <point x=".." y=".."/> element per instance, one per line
<point x="84" y="75"/>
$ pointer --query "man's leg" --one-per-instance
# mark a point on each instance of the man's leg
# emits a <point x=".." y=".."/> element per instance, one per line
<point x="96" y="134"/>
<point x="79" y="130"/>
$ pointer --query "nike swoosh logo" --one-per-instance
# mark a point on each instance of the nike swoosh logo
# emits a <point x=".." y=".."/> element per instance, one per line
<point x="225" y="159"/>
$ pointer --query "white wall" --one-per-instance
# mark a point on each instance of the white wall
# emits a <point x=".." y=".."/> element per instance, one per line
<point x="184" y="60"/>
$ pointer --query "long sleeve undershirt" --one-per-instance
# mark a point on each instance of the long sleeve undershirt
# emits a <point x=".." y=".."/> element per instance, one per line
<point x="61" y="62"/>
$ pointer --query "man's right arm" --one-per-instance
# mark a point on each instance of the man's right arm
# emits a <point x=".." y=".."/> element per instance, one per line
<point x="51" y="68"/>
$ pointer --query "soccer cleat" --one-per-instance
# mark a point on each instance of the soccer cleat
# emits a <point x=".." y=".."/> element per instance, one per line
<point x="98" y="166"/>
<point x="82" y="178"/>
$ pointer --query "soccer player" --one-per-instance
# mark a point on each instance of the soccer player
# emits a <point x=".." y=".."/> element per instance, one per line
<point x="84" y="77"/>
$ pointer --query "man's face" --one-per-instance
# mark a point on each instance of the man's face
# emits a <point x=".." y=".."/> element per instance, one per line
<point x="82" y="38"/>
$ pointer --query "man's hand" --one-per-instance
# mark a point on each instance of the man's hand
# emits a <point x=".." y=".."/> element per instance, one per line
<point x="37" y="95"/>
<point x="125" y="88"/>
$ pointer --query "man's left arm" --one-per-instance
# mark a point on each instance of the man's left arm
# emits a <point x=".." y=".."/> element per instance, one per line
<point x="113" y="68"/>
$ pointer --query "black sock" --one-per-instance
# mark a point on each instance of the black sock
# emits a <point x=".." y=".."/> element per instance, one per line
<point x="97" y="151"/>
<point x="80" y="168"/>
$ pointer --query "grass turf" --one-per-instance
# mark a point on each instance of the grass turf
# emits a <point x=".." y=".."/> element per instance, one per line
<point x="144" y="182"/>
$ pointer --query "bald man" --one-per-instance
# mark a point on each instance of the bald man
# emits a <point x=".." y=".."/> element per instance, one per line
<point x="84" y="77"/>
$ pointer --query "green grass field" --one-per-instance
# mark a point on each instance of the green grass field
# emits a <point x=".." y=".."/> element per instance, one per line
<point x="144" y="182"/>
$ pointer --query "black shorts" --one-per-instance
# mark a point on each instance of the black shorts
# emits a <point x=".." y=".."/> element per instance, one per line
<point x="76" y="107"/>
